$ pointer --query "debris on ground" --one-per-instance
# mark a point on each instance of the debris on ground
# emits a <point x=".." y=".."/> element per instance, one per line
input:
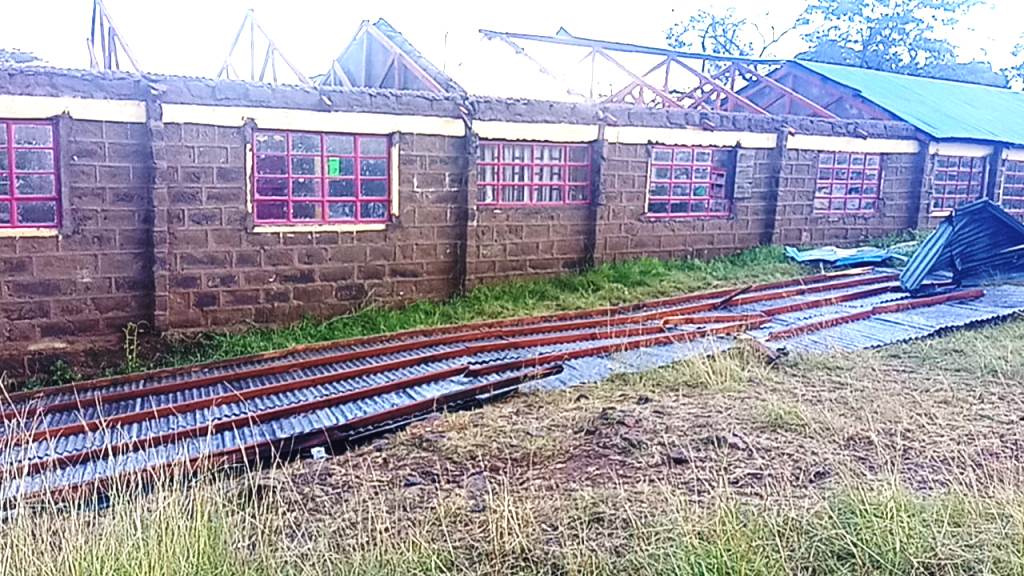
<point x="67" y="439"/>
<point x="977" y="243"/>
<point x="835" y="257"/>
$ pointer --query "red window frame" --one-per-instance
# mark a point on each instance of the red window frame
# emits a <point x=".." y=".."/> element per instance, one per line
<point x="957" y="180"/>
<point x="848" y="183"/>
<point x="504" y="168"/>
<point x="1012" y="196"/>
<point x="330" y="198"/>
<point x="687" y="182"/>
<point x="15" y="177"/>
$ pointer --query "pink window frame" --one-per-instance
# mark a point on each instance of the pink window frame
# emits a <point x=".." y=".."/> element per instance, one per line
<point x="716" y="175"/>
<point x="975" y="183"/>
<point x="532" y="183"/>
<point x="1013" y="191"/>
<point x="13" y="199"/>
<point x="833" y="181"/>
<point x="325" y="200"/>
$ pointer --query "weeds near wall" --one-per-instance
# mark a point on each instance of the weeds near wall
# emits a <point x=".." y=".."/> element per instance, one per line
<point x="132" y="363"/>
<point x="608" y="284"/>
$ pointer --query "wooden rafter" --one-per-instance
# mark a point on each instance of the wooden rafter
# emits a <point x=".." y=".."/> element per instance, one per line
<point x="269" y="59"/>
<point x="720" y="80"/>
<point x="105" y="44"/>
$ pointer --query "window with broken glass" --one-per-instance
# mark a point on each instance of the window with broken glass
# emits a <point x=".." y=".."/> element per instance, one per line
<point x="848" y="183"/>
<point x="29" y="192"/>
<point x="1013" y="187"/>
<point x="957" y="180"/>
<point x="532" y="174"/>
<point x="312" y="178"/>
<point x="688" y="182"/>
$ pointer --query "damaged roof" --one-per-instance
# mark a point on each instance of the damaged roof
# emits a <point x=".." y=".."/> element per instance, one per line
<point x="379" y="56"/>
<point x="978" y="242"/>
<point x="71" y="440"/>
<point x="943" y="109"/>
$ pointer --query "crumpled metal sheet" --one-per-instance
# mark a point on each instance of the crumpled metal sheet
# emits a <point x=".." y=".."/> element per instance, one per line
<point x="977" y="243"/>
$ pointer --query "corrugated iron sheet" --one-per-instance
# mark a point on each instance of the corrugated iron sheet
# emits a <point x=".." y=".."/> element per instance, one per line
<point x="82" y="456"/>
<point x="941" y="108"/>
<point x="976" y="243"/>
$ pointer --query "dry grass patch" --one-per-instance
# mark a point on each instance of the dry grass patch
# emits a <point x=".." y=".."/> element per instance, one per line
<point x="897" y="461"/>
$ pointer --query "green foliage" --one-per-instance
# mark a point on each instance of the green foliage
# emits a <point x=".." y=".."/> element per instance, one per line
<point x="131" y="347"/>
<point x="724" y="33"/>
<point x="56" y="374"/>
<point x="903" y="36"/>
<point x="605" y="285"/>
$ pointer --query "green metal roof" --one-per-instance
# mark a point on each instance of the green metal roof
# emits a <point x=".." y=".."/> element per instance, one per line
<point x="943" y="109"/>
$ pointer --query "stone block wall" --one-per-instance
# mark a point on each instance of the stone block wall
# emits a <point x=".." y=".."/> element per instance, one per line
<point x="224" y="274"/>
<point x="158" y="230"/>
<point x="624" y="232"/>
<point x="74" y="293"/>
<point x="796" y="222"/>
<point x="519" y="243"/>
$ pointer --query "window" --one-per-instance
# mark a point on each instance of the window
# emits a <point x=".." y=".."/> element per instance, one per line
<point x="28" y="175"/>
<point x="847" y="183"/>
<point x="958" y="180"/>
<point x="1013" y="187"/>
<point x="687" y="182"/>
<point x="526" y="174"/>
<point x="310" y="178"/>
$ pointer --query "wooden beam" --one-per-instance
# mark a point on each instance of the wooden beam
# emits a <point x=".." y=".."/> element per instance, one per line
<point x="665" y="96"/>
<point x="410" y="63"/>
<point x="814" y="106"/>
<point x="722" y="89"/>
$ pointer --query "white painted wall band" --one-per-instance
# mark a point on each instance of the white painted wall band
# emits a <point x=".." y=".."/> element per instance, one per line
<point x="535" y="131"/>
<point x="848" y="144"/>
<point x="687" y="137"/>
<point x="313" y="120"/>
<point x="1016" y="154"/>
<point x="968" y="149"/>
<point x="39" y="107"/>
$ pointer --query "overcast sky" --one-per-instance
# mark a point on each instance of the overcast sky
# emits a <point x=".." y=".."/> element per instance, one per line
<point x="192" y="36"/>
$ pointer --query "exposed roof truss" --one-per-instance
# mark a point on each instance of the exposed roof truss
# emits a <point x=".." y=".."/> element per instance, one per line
<point x="105" y="45"/>
<point x="380" y="57"/>
<point x="259" y="57"/>
<point x="677" y="79"/>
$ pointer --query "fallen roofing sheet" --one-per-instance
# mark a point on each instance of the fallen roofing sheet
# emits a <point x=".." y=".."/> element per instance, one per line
<point x="79" y="437"/>
<point x="941" y="108"/>
<point x="842" y="257"/>
<point x="977" y="243"/>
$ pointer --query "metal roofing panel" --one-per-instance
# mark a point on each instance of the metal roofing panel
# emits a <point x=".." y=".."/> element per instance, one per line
<point x="944" y="109"/>
<point x="977" y="241"/>
<point x="997" y="303"/>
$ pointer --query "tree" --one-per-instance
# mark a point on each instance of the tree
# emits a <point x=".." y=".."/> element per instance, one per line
<point x="725" y="34"/>
<point x="1016" y="73"/>
<point x="893" y="36"/>
<point x="13" y="57"/>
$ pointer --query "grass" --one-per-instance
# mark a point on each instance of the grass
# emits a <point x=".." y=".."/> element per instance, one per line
<point x="604" y="285"/>
<point x="895" y="461"/>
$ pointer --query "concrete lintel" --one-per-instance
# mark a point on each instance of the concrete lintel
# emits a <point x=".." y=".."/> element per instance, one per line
<point x="313" y="120"/>
<point x="688" y="137"/>
<point x="16" y="107"/>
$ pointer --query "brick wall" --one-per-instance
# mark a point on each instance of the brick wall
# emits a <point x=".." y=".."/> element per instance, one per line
<point x="624" y="232"/>
<point x="74" y="294"/>
<point x="222" y="274"/>
<point x="157" y="227"/>
<point x="796" y="223"/>
<point x="507" y="243"/>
